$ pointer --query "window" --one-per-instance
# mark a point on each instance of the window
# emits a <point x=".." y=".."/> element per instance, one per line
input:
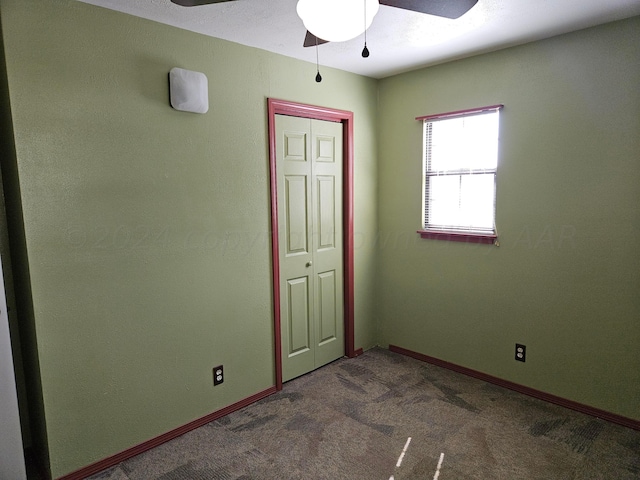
<point x="460" y="165"/>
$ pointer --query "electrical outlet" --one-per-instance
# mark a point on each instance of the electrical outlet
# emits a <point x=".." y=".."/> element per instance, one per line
<point x="218" y="375"/>
<point x="521" y="352"/>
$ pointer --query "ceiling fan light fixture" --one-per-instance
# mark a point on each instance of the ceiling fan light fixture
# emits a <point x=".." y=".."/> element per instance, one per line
<point x="337" y="20"/>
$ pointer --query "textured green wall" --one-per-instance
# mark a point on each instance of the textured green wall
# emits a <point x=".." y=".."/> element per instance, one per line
<point x="147" y="229"/>
<point x="566" y="277"/>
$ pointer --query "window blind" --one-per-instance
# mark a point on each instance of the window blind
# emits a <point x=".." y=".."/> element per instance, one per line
<point x="460" y="166"/>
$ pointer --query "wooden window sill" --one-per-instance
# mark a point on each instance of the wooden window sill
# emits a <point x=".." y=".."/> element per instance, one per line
<point x="458" y="236"/>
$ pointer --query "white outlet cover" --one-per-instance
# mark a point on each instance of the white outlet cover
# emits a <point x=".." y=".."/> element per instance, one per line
<point x="189" y="90"/>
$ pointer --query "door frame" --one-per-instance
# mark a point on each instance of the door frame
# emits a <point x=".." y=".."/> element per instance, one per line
<point x="284" y="107"/>
<point x="12" y="463"/>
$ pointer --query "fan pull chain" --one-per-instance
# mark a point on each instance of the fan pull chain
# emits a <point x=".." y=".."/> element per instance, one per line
<point x="365" y="50"/>
<point x="318" y="76"/>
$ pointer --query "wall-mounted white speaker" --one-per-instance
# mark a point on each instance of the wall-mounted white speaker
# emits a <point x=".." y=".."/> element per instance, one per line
<point x="189" y="90"/>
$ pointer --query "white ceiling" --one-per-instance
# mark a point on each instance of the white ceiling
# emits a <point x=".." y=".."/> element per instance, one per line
<point x="399" y="40"/>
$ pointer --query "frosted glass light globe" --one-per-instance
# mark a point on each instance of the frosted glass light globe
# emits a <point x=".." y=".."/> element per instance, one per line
<point x="337" y="20"/>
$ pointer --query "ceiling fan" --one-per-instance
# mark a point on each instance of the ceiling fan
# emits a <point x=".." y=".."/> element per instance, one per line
<point x="341" y="20"/>
<point x="439" y="8"/>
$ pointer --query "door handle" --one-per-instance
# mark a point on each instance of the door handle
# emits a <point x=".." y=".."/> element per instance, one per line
<point x="309" y="263"/>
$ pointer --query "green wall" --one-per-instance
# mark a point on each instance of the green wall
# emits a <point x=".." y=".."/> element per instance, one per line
<point x="147" y="229"/>
<point x="566" y="277"/>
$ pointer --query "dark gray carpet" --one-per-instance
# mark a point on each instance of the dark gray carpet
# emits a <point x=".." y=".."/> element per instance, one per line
<point x="352" y="418"/>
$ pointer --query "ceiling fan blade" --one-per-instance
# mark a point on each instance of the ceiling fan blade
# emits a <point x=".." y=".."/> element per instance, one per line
<point x="197" y="3"/>
<point x="439" y="8"/>
<point x="310" y="40"/>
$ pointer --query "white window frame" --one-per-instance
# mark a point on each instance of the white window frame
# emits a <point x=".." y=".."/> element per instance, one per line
<point x="475" y="234"/>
